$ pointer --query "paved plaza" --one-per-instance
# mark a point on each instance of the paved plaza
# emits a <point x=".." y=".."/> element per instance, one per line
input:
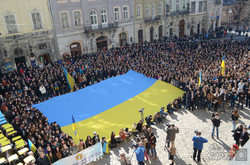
<point x="215" y="152"/>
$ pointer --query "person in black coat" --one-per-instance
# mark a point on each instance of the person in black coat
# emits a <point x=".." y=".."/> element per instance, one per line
<point x="95" y="138"/>
<point x="244" y="137"/>
<point x="43" y="159"/>
<point x="237" y="134"/>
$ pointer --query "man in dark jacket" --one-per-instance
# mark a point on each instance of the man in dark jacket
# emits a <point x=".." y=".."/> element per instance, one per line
<point x="171" y="131"/>
<point x="216" y="123"/>
<point x="43" y="159"/>
<point x="244" y="137"/>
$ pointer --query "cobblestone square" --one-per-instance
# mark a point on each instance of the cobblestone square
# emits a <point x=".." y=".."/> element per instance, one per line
<point x="215" y="152"/>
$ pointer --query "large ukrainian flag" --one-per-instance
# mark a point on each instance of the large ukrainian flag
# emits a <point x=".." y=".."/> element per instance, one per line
<point x="70" y="80"/>
<point x="109" y="105"/>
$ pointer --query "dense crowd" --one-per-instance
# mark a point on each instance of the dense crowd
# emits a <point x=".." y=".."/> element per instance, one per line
<point x="177" y="62"/>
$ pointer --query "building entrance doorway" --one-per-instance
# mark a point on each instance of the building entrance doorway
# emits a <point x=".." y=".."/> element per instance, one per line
<point x="102" y="42"/>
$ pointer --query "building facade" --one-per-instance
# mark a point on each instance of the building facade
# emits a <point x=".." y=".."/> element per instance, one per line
<point x="177" y="12"/>
<point x="214" y="14"/>
<point x="88" y="25"/>
<point x="230" y="12"/>
<point x="149" y="20"/>
<point x="26" y="35"/>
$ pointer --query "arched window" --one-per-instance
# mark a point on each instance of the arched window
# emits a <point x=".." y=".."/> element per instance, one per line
<point x="153" y="10"/>
<point x="104" y="16"/>
<point x="93" y="17"/>
<point x="117" y="13"/>
<point x="125" y="12"/>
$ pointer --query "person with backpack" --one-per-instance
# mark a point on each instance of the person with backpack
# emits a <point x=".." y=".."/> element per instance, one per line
<point x="216" y="123"/>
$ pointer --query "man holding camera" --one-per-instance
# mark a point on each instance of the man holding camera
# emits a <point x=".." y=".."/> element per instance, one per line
<point x="171" y="131"/>
<point x="139" y="151"/>
<point x="198" y="145"/>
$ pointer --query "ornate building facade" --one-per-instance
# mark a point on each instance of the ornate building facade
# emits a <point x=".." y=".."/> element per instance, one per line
<point x="89" y="25"/>
<point x="26" y="35"/>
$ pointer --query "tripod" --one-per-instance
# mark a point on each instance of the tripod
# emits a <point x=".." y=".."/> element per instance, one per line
<point x="166" y="144"/>
<point x="142" y="117"/>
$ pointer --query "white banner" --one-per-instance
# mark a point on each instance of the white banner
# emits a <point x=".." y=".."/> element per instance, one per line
<point x="83" y="157"/>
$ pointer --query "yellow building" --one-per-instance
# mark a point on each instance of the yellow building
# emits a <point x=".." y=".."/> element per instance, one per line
<point x="26" y="34"/>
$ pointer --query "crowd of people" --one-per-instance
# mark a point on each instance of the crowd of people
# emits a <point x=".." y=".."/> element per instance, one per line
<point x="177" y="62"/>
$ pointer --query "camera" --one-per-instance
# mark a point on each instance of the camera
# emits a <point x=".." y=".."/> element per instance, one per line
<point x="135" y="146"/>
<point x="141" y="110"/>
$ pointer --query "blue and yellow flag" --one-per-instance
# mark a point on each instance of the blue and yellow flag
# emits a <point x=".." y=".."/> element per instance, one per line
<point x="105" y="148"/>
<point x="70" y="80"/>
<point x="223" y="66"/>
<point x="200" y="79"/>
<point x="74" y="127"/>
<point x="31" y="146"/>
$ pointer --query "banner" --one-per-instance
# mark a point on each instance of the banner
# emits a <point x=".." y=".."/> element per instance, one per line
<point x="85" y="156"/>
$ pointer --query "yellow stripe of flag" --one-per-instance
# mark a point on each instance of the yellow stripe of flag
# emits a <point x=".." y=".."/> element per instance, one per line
<point x="70" y="79"/>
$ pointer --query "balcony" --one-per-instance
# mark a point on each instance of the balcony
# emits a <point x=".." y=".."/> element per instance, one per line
<point x="217" y="2"/>
<point x="97" y="28"/>
<point x="182" y="12"/>
<point x="153" y="19"/>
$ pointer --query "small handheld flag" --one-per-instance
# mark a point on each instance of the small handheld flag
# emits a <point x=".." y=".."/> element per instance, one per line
<point x="31" y="146"/>
<point x="70" y="79"/>
<point x="74" y="127"/>
<point x="223" y="66"/>
<point x="200" y="79"/>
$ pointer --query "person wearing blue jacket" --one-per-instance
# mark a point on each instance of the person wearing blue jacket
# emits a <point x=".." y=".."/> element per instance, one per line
<point x="140" y="154"/>
<point x="198" y="145"/>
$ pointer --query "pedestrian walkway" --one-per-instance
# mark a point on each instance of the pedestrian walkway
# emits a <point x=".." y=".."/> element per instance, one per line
<point x="214" y="152"/>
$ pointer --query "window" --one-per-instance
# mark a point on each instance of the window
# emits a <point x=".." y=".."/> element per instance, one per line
<point x="77" y="18"/>
<point x="64" y="20"/>
<point x="184" y="4"/>
<point x="37" y="22"/>
<point x="93" y="17"/>
<point x="200" y="6"/>
<point x="153" y="10"/>
<point x="193" y="7"/>
<point x="11" y="24"/>
<point x="42" y="46"/>
<point x="160" y="9"/>
<point x="125" y="12"/>
<point x="104" y="16"/>
<point x="117" y="13"/>
<point x="204" y="6"/>
<point x="170" y="5"/>
<point x="177" y="5"/>
<point x="138" y="11"/>
<point x="147" y="10"/>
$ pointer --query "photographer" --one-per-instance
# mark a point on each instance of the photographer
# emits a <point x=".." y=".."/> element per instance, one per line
<point x="198" y="145"/>
<point x="139" y="151"/>
<point x="171" y="131"/>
